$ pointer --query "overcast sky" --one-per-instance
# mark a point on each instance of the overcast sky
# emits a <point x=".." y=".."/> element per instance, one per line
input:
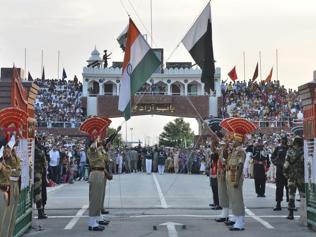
<point x="75" y="26"/>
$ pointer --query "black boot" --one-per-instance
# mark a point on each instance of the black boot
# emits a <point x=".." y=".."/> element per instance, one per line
<point x="290" y="216"/>
<point x="278" y="206"/>
<point x="41" y="214"/>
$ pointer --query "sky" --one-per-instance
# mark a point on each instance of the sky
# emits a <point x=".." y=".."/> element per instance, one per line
<point x="75" y="27"/>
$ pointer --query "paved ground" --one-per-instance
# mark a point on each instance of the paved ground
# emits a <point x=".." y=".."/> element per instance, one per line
<point x="138" y="202"/>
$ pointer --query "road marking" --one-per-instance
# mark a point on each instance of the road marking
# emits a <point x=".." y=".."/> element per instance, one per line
<point x="53" y="189"/>
<point x="74" y="220"/>
<point x="161" y="196"/>
<point x="191" y="216"/>
<point x="259" y="219"/>
<point x="171" y="227"/>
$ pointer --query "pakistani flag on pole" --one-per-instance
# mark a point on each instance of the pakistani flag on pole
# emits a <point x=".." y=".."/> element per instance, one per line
<point x="198" y="41"/>
<point x="139" y="64"/>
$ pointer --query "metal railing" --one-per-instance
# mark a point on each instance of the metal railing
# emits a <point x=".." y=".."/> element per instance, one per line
<point x="57" y="124"/>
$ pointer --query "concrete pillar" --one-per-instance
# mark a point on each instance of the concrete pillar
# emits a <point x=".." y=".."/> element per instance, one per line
<point x="169" y="89"/>
<point x="202" y="89"/>
<point x="117" y="88"/>
<point x="101" y="89"/>
<point x="185" y="89"/>
<point x="84" y="87"/>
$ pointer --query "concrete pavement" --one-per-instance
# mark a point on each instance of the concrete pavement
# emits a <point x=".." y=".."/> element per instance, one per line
<point x="138" y="203"/>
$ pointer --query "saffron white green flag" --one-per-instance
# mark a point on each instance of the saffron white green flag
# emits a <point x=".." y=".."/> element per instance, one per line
<point x="139" y="64"/>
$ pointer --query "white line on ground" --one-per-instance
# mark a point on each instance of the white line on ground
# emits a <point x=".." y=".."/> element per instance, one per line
<point x="53" y="189"/>
<point x="161" y="196"/>
<point x="259" y="219"/>
<point x="191" y="216"/>
<point x="75" y="219"/>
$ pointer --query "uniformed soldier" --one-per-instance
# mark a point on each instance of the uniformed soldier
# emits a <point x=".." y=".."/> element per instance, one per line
<point x="234" y="177"/>
<point x="294" y="172"/>
<point x="96" y="185"/>
<point x="278" y="159"/>
<point x="260" y="165"/>
<point x="40" y="165"/>
<point x="238" y="127"/>
<point x="13" y="161"/>
<point x="5" y="173"/>
<point x="221" y="180"/>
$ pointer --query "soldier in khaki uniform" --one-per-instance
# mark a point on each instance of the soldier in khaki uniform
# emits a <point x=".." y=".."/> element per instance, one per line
<point x="5" y="173"/>
<point x="221" y="181"/>
<point x="238" y="128"/>
<point x="96" y="185"/>
<point x="234" y="177"/>
<point x="14" y="162"/>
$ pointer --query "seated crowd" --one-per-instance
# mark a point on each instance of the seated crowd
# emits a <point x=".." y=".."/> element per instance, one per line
<point x="58" y="101"/>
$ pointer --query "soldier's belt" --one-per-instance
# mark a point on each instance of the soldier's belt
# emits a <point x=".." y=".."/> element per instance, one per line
<point x="258" y="162"/>
<point x="12" y="178"/>
<point x="97" y="169"/>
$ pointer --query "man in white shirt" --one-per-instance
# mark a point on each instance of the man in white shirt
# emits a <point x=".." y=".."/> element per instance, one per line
<point x="54" y="158"/>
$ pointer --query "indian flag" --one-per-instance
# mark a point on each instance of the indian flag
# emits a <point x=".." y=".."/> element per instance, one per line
<point x="139" y="64"/>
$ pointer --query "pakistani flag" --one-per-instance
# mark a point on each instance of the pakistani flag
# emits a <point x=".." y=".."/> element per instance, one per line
<point x="139" y="64"/>
<point x="122" y="38"/>
<point x="198" y="41"/>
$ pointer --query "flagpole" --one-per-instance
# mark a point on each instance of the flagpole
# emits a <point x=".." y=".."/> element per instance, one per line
<point x="151" y="23"/>
<point x="42" y="61"/>
<point x="277" y="63"/>
<point x="260" y="65"/>
<point x="244" y="59"/>
<point x="58" y="64"/>
<point x="25" y="63"/>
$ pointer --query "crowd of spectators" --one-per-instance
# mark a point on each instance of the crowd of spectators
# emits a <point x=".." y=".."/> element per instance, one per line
<point x="57" y="102"/>
<point x="261" y="102"/>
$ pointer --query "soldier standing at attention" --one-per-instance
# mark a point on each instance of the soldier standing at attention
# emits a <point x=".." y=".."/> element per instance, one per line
<point x="14" y="162"/>
<point x="39" y="167"/>
<point x="221" y="180"/>
<point x="294" y="172"/>
<point x="96" y="185"/>
<point x="235" y="179"/>
<point x="5" y="173"/>
<point x="260" y="165"/>
<point x="238" y="127"/>
<point x="278" y="159"/>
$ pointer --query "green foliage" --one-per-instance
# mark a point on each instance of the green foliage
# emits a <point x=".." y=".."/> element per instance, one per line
<point x="176" y="133"/>
<point x="118" y="139"/>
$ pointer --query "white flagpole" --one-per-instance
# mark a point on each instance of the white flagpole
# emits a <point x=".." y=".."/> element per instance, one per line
<point x="260" y="65"/>
<point x="58" y="60"/>
<point x="244" y="60"/>
<point x="277" y="63"/>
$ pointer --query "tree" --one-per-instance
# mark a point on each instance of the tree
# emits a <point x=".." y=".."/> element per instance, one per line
<point x="118" y="139"/>
<point x="176" y="133"/>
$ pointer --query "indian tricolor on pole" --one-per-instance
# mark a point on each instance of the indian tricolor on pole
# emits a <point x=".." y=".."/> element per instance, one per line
<point x="139" y="64"/>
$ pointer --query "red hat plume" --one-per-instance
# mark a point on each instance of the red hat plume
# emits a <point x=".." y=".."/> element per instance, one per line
<point x="95" y="126"/>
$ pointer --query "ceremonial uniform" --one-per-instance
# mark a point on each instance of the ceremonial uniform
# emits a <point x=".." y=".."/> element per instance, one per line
<point x="14" y="162"/>
<point x="213" y="178"/>
<point x="39" y="167"/>
<point x="5" y="173"/>
<point x="260" y="165"/>
<point x="234" y="177"/>
<point x="294" y="172"/>
<point x="278" y="159"/>
<point x="221" y="182"/>
<point x="238" y="128"/>
<point x="106" y="176"/>
<point x="96" y="185"/>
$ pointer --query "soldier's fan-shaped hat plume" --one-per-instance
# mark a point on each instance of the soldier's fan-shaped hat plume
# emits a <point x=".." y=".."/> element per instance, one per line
<point x="95" y="126"/>
<point x="239" y="127"/>
<point x="12" y="120"/>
